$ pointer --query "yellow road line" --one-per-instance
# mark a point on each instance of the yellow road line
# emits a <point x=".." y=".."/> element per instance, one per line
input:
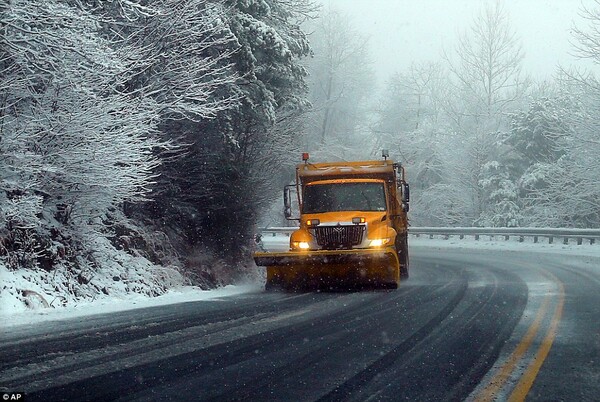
<point x="524" y="385"/>
<point x="505" y="371"/>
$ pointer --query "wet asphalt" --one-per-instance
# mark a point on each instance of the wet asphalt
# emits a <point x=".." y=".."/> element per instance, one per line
<point x="466" y="325"/>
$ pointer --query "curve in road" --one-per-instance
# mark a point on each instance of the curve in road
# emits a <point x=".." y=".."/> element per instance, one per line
<point x="467" y="325"/>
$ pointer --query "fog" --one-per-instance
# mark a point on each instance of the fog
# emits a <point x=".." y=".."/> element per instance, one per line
<point x="490" y="105"/>
<point x="405" y="31"/>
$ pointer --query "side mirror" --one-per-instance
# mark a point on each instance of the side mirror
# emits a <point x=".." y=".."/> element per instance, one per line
<point x="287" y="207"/>
<point x="287" y="202"/>
<point x="405" y="193"/>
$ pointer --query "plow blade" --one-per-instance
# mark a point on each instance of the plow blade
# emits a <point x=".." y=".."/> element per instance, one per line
<point x="331" y="268"/>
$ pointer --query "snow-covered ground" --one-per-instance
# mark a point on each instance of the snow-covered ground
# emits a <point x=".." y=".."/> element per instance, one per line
<point x="12" y="314"/>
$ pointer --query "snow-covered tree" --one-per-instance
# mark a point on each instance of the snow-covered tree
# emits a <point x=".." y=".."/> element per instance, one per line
<point x="73" y="146"/>
<point x="341" y="82"/>
<point x="185" y="49"/>
<point x="407" y="124"/>
<point x="412" y="98"/>
<point x="501" y="197"/>
<point x="86" y="91"/>
<point x="573" y="179"/>
<point x="487" y="80"/>
<point x="547" y="154"/>
<point x="537" y="134"/>
<point x="230" y="166"/>
<point x="487" y="65"/>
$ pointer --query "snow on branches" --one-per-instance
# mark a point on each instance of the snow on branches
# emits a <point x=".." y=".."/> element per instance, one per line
<point x="185" y="58"/>
<point x="68" y="134"/>
<point x="83" y="92"/>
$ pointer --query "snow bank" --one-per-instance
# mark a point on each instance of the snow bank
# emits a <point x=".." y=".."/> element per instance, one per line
<point x="13" y="311"/>
<point x="106" y="274"/>
<point x="498" y="243"/>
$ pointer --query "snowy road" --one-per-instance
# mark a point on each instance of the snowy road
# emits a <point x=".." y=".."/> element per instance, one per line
<point x="467" y="325"/>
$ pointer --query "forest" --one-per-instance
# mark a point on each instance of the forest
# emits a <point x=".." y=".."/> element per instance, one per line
<point x="143" y="142"/>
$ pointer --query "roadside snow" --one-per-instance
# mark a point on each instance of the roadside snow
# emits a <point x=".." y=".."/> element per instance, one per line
<point x="498" y="243"/>
<point x="279" y="242"/>
<point x="13" y="314"/>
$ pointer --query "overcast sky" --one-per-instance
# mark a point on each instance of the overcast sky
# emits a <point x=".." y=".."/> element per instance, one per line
<point x="403" y="31"/>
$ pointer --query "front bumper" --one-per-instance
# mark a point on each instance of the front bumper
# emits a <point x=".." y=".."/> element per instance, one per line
<point x="324" y="257"/>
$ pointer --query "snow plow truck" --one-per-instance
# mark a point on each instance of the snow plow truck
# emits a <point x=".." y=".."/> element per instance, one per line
<point x="353" y="227"/>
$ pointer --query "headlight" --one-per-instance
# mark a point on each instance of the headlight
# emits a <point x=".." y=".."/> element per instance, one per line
<point x="379" y="242"/>
<point x="301" y="245"/>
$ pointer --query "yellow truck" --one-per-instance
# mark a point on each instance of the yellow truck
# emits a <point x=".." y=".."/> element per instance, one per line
<point x="353" y="227"/>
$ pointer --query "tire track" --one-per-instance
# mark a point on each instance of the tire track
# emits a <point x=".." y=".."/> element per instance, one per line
<point x="199" y="361"/>
<point x="37" y="349"/>
<point x="331" y="346"/>
<point x="345" y="390"/>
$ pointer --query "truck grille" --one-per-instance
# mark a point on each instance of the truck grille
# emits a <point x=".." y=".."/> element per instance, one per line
<point x="336" y="237"/>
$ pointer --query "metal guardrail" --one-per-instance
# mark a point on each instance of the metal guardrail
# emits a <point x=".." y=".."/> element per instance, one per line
<point x="549" y="233"/>
<point x="274" y="230"/>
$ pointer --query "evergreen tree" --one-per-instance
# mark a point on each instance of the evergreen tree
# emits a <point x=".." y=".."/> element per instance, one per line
<point x="232" y="163"/>
<point x="502" y="197"/>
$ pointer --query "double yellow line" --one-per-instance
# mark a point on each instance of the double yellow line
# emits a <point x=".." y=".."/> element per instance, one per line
<point x="526" y="380"/>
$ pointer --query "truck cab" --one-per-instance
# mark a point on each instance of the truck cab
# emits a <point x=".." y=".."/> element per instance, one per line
<point x="352" y="225"/>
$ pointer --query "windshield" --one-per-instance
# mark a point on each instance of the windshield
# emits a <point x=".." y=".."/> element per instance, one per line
<point x="344" y="197"/>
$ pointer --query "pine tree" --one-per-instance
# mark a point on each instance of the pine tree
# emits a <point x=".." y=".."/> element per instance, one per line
<point x="232" y="163"/>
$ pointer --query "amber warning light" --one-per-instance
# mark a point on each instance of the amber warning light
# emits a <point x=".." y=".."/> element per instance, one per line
<point x="304" y="156"/>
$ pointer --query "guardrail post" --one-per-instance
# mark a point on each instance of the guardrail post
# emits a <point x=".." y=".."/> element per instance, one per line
<point x="579" y="241"/>
<point x="592" y="241"/>
<point x="462" y="236"/>
<point x="535" y="239"/>
<point x="476" y="237"/>
<point x="566" y="240"/>
<point x="521" y="239"/>
<point x="550" y="239"/>
<point x="506" y="237"/>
